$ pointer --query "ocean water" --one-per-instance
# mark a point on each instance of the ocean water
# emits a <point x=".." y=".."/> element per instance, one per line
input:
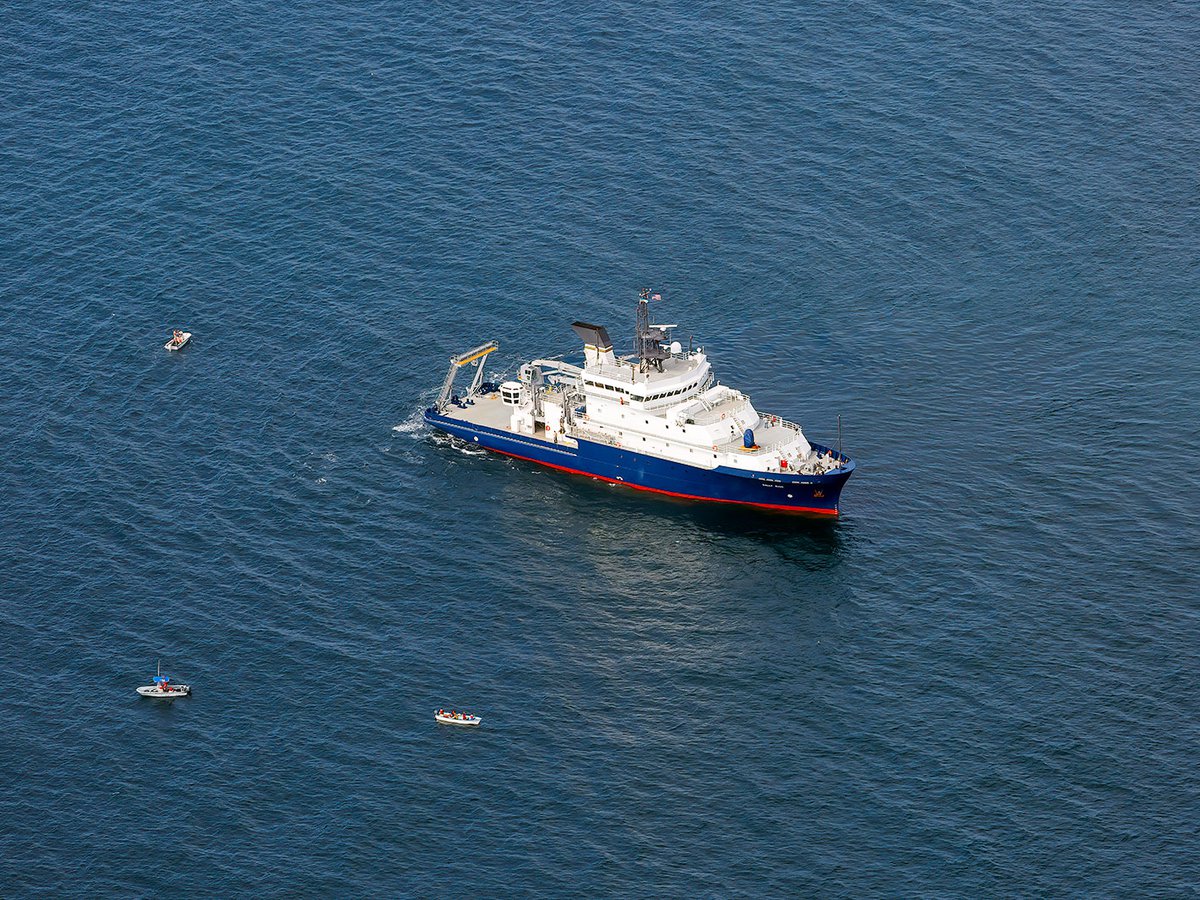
<point x="970" y="229"/>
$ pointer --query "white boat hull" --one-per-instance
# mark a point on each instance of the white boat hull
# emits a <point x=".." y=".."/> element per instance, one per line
<point x="171" y="345"/>
<point x="468" y="722"/>
<point x="153" y="691"/>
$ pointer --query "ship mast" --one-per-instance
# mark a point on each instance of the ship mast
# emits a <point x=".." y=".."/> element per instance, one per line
<point x="648" y="342"/>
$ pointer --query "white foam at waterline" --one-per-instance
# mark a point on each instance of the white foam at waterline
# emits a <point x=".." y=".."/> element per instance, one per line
<point x="467" y="448"/>
<point x="414" y="424"/>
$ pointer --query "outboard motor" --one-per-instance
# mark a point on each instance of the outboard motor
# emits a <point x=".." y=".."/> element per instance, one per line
<point x="748" y="439"/>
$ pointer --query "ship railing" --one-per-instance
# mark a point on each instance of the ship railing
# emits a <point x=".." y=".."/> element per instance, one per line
<point x="776" y="421"/>
<point x="738" y="446"/>
<point x="619" y="373"/>
<point x="599" y="437"/>
<point x="762" y="432"/>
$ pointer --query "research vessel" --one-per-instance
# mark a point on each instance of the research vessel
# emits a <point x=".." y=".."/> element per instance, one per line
<point x="656" y="419"/>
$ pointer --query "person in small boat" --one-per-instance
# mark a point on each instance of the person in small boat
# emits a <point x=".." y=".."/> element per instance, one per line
<point x="175" y="336"/>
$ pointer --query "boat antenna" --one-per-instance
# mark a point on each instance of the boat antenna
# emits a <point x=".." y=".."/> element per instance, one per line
<point x="840" y="435"/>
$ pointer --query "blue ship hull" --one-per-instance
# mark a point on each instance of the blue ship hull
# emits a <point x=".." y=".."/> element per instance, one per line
<point x="789" y="492"/>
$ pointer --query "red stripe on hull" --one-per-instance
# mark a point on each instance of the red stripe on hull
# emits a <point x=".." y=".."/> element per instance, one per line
<point x="641" y="487"/>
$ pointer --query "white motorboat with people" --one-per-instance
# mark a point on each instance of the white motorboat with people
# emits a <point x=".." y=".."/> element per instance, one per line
<point x="454" y="717"/>
<point x="163" y="688"/>
<point x="178" y="340"/>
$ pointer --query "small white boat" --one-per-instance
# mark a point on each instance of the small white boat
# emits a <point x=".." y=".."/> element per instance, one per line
<point x="165" y="693"/>
<point x="163" y="689"/>
<point x="173" y="344"/>
<point x="456" y="718"/>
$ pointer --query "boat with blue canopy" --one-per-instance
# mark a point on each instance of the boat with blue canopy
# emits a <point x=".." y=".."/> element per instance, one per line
<point x="163" y="688"/>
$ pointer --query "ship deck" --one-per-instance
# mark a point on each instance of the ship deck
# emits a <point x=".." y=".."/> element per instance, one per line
<point x="489" y="411"/>
<point x="486" y="410"/>
<point x="767" y="439"/>
<point x="626" y="370"/>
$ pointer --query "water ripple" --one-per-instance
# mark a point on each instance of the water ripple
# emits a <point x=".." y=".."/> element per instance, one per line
<point x="968" y="229"/>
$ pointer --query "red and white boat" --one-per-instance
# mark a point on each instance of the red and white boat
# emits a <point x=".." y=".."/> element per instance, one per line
<point x="163" y="689"/>
<point x="178" y="343"/>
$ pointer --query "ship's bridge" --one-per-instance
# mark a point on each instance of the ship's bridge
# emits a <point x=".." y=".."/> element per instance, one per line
<point x="682" y="376"/>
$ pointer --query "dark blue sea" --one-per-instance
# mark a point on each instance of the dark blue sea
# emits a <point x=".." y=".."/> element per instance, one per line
<point x="970" y="229"/>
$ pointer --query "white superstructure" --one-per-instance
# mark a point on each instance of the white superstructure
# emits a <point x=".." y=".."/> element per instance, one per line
<point x="661" y="401"/>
